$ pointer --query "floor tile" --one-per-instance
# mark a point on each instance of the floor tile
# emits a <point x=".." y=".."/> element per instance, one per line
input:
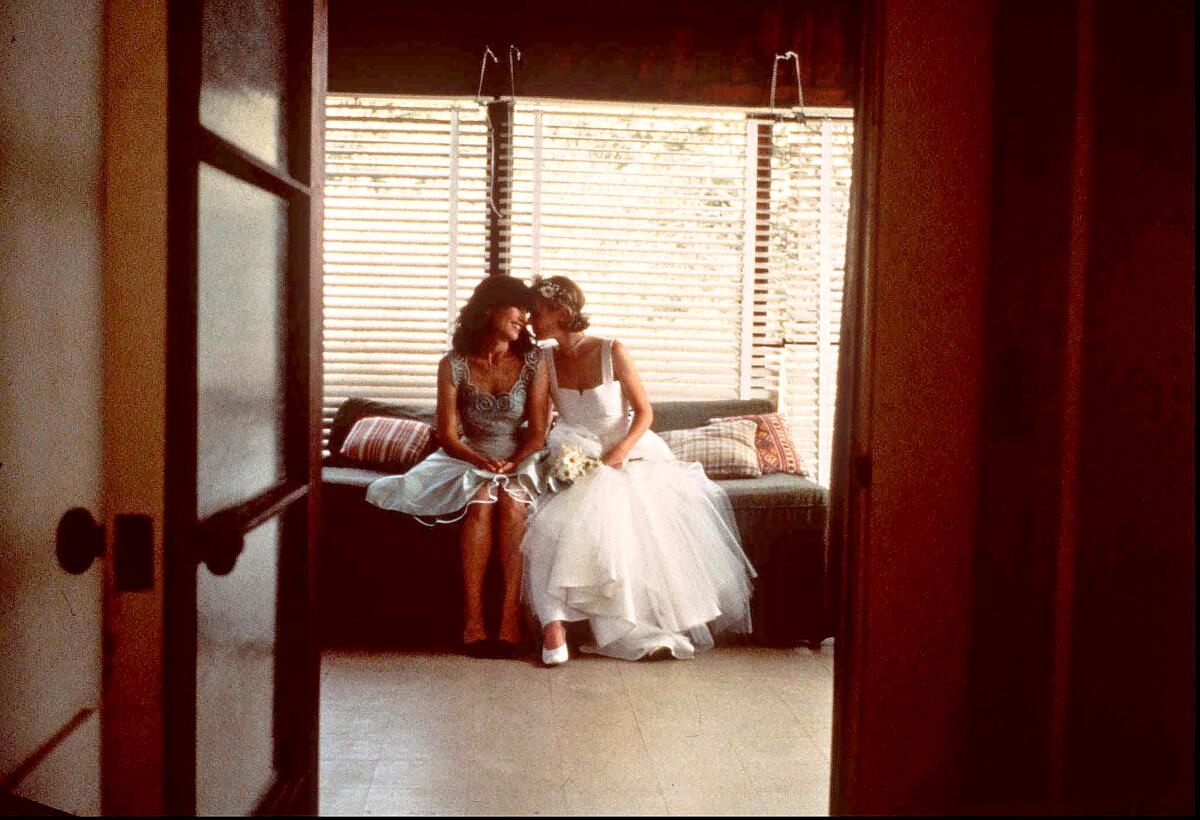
<point x="739" y="730"/>
<point x="711" y="801"/>
<point x="341" y="773"/>
<point x="393" y="802"/>
<point x="791" y="802"/>
<point x="592" y="802"/>
<point x="342" y="802"/>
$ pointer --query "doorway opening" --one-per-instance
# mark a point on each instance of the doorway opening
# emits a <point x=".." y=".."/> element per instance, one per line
<point x="710" y="241"/>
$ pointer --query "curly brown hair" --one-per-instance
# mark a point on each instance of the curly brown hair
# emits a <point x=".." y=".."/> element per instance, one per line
<point x="499" y="291"/>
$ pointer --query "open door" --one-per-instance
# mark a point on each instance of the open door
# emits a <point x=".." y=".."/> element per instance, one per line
<point x="214" y="693"/>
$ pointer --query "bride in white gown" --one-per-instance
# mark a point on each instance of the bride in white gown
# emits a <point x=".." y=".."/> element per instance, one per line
<point x="644" y="547"/>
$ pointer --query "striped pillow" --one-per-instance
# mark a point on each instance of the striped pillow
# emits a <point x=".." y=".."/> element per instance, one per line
<point x="724" y="449"/>
<point x="387" y="443"/>
<point x="776" y="450"/>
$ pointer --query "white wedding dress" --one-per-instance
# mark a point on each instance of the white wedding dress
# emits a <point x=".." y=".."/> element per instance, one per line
<point x="649" y="553"/>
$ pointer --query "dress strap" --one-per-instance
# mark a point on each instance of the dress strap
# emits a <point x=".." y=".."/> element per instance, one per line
<point x="458" y="369"/>
<point x="529" y="368"/>
<point x="548" y="356"/>
<point x="606" y="367"/>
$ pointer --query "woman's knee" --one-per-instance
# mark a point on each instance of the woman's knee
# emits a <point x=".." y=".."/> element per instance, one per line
<point x="512" y="510"/>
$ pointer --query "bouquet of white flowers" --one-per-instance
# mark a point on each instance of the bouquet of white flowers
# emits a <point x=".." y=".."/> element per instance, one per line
<point x="570" y="462"/>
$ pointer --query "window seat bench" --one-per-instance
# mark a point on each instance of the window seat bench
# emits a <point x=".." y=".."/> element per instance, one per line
<point x="385" y="579"/>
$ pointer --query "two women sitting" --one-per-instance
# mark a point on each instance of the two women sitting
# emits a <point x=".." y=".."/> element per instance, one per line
<point x="642" y="546"/>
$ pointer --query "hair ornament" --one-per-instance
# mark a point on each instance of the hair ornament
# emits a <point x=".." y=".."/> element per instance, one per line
<point x="547" y="289"/>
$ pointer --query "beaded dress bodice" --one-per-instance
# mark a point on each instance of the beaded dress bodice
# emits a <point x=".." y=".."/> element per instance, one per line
<point x="491" y="422"/>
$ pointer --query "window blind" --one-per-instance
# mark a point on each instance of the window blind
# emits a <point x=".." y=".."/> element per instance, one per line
<point x="405" y="239"/>
<point x="807" y="219"/>
<point x="711" y="241"/>
<point x="644" y="207"/>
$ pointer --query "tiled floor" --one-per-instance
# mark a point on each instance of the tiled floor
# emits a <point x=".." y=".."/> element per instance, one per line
<point x="738" y="730"/>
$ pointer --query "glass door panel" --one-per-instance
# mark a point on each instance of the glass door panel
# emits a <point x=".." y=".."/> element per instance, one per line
<point x="243" y="93"/>
<point x="235" y="677"/>
<point x="241" y="338"/>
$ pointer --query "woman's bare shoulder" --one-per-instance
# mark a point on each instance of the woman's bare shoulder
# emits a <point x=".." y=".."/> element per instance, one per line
<point x="620" y="351"/>
<point x="448" y="364"/>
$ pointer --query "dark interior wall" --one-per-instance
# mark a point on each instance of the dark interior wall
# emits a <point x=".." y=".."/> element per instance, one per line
<point x="702" y="52"/>
<point x="1130" y="734"/>
<point x="1081" y="693"/>
<point x="1039" y="658"/>
<point x="1012" y="658"/>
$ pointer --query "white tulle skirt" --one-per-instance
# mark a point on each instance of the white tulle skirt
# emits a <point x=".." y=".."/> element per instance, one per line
<point x="648" y="554"/>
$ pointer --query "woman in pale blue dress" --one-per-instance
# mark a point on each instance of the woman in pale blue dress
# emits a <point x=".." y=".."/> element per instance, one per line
<point x="492" y="415"/>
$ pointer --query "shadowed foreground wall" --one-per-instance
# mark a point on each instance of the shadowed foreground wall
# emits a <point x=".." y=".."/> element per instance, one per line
<point x="1082" y="634"/>
<point x="1021" y="594"/>
<point x="1130" y="730"/>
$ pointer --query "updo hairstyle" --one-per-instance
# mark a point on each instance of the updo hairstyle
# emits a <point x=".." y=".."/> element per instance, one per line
<point x="563" y="292"/>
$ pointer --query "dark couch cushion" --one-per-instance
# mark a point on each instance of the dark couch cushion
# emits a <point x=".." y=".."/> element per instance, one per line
<point x="353" y="409"/>
<point x="775" y="490"/>
<point x="680" y="415"/>
<point x="387" y="578"/>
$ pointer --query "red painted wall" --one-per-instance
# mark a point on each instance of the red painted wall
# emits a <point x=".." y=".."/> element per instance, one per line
<point x="1022" y="602"/>
<point x="928" y="276"/>
<point x="1130" y="738"/>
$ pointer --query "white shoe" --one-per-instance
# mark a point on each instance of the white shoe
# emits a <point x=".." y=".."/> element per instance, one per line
<point x="556" y="656"/>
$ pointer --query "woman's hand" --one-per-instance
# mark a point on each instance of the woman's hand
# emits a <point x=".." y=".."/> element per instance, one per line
<point x="615" y="457"/>
<point x="492" y="465"/>
<point x="643" y="413"/>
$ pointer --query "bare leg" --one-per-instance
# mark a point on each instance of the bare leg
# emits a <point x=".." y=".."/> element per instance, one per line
<point x="510" y="529"/>
<point x="554" y="635"/>
<point x="476" y="543"/>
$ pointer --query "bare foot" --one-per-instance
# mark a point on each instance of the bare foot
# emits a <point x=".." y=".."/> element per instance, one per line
<point x="554" y="635"/>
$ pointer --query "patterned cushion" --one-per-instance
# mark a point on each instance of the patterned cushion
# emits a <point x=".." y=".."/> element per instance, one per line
<point x="387" y="443"/>
<point x="776" y="450"/>
<point x="724" y="449"/>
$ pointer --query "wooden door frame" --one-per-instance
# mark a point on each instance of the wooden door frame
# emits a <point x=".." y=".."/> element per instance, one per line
<point x="134" y="408"/>
<point x="153" y="145"/>
<point x="904" y="500"/>
<point x="850" y="464"/>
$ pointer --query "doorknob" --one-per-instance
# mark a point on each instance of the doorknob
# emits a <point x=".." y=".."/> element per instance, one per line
<point x="78" y="541"/>
<point x="222" y="535"/>
<point x="222" y="538"/>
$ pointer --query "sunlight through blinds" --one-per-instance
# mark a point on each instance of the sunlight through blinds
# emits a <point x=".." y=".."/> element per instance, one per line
<point x="644" y="207"/>
<point x="808" y="219"/>
<point x="405" y="239"/>
<point x="711" y="241"/>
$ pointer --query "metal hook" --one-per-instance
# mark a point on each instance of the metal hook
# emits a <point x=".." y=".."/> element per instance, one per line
<point x="512" y="75"/>
<point x="487" y="52"/>
<point x="788" y="55"/>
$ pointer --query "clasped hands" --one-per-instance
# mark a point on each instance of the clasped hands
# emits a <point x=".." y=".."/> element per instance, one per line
<point x="494" y="465"/>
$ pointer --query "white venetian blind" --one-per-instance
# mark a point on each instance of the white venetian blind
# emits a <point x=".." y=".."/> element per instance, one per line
<point x="808" y="213"/>
<point x="405" y="239"/>
<point x="644" y="207"/>
<point x="711" y="241"/>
